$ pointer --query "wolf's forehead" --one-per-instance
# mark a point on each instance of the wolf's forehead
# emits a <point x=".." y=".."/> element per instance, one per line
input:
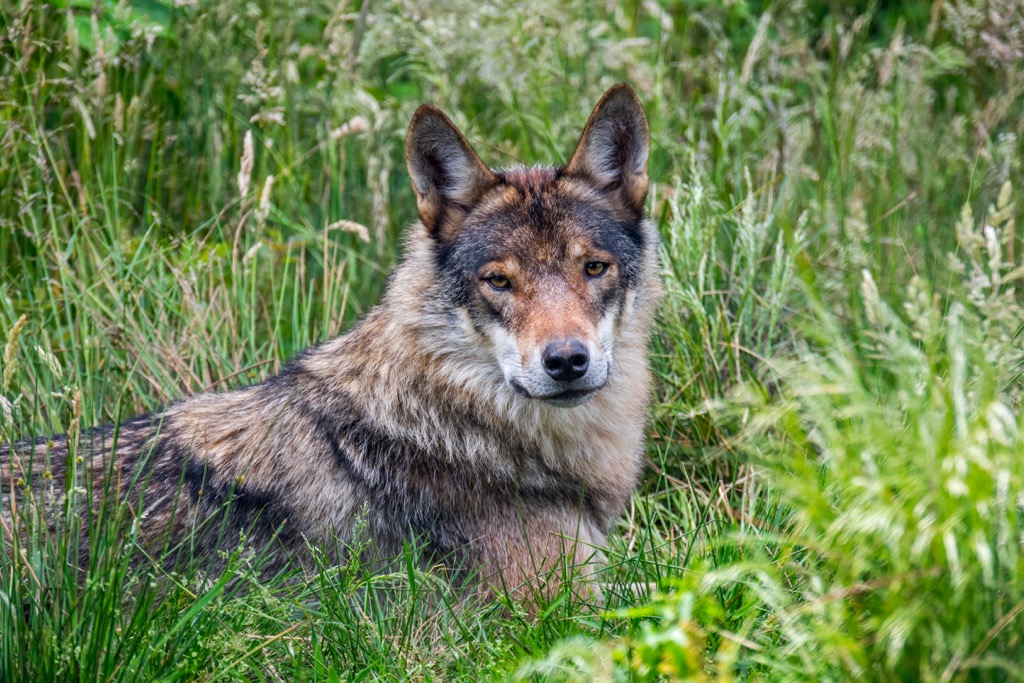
<point x="542" y="202"/>
<point x="528" y="179"/>
<point x="541" y="224"/>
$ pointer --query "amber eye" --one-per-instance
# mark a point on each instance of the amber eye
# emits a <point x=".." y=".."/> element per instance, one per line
<point x="596" y="268"/>
<point x="499" y="282"/>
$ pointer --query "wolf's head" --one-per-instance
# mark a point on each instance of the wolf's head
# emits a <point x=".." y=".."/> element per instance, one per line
<point x="543" y="263"/>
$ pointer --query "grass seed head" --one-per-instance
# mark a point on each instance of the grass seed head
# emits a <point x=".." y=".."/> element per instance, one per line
<point x="10" y="350"/>
<point x="245" y="166"/>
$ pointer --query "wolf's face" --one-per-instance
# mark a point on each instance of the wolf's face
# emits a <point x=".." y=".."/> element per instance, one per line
<point x="541" y="263"/>
<point x="543" y="268"/>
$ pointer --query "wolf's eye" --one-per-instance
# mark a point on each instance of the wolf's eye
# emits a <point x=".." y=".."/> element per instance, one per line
<point x="596" y="268"/>
<point x="499" y="282"/>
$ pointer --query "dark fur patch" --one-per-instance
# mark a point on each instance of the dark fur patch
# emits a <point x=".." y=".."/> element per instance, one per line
<point x="445" y="541"/>
<point x="329" y="428"/>
<point x="245" y="509"/>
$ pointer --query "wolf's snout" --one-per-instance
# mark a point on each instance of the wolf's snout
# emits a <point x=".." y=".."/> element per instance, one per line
<point x="566" y="360"/>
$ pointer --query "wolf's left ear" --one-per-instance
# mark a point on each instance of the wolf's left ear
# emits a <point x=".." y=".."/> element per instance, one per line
<point x="446" y="173"/>
<point x="612" y="152"/>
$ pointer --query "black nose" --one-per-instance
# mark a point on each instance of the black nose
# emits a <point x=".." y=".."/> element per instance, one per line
<point x="566" y="360"/>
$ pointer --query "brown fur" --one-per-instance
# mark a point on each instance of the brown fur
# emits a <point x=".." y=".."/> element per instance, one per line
<point x="409" y="420"/>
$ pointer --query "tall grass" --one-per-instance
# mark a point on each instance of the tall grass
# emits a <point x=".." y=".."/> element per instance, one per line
<point x="191" y="192"/>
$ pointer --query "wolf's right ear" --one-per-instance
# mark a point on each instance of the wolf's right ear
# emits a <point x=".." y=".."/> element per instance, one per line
<point x="446" y="173"/>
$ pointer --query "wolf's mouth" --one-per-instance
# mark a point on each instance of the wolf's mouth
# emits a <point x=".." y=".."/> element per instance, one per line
<point x="569" y="395"/>
<point x="567" y="398"/>
<point x="570" y="398"/>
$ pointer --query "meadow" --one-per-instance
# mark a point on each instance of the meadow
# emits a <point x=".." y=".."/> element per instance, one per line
<point x="191" y="192"/>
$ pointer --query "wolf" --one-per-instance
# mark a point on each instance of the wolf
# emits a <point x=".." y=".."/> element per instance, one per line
<point x="491" y="406"/>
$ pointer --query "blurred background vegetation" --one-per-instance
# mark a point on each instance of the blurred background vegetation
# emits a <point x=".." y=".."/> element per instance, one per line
<point x="191" y="192"/>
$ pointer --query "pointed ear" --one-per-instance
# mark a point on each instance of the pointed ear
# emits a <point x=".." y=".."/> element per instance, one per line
<point x="446" y="174"/>
<point x="612" y="152"/>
